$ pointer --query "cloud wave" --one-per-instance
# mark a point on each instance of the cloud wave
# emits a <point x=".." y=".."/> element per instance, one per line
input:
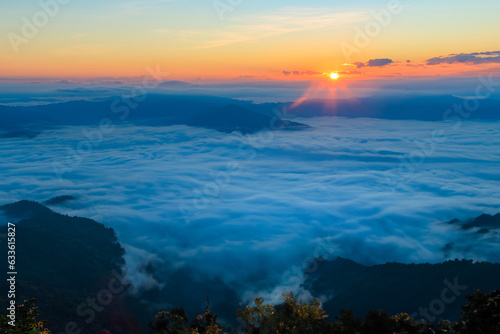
<point x="249" y="225"/>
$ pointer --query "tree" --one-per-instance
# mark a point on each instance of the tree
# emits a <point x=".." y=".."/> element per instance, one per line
<point x="167" y="322"/>
<point x="481" y="315"/>
<point x="378" y="322"/>
<point x="207" y="322"/>
<point x="175" y="322"/>
<point x="347" y="323"/>
<point x="26" y="321"/>
<point x="292" y="317"/>
<point x="403" y="323"/>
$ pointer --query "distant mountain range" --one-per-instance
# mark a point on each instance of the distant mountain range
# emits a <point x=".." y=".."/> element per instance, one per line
<point x="227" y="115"/>
<point x="423" y="108"/>
<point x="64" y="260"/>
<point x="221" y="114"/>
<point x="484" y="222"/>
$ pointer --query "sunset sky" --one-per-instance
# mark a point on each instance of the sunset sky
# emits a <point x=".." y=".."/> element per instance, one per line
<point x="281" y="40"/>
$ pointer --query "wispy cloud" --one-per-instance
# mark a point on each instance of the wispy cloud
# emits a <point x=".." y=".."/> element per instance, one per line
<point x="258" y="27"/>
<point x="302" y="73"/>
<point x="123" y="184"/>
<point x="467" y="58"/>
<point x="373" y="63"/>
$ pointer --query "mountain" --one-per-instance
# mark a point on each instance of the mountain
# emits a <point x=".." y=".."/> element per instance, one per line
<point x="484" y="222"/>
<point x="417" y="289"/>
<point x="63" y="262"/>
<point x="23" y="209"/>
<point x="423" y="108"/>
<point x="237" y="118"/>
<point x="15" y="123"/>
<point x="176" y="84"/>
<point x="60" y="200"/>
<point x="226" y="115"/>
<point x="151" y="110"/>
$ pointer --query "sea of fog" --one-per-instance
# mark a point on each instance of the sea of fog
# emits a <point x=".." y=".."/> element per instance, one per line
<point x="245" y="209"/>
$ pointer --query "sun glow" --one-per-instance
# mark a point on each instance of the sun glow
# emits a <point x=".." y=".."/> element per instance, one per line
<point x="334" y="75"/>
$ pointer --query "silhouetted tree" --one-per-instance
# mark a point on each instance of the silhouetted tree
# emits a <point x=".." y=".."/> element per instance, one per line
<point x="481" y="315"/>
<point x="26" y="321"/>
<point x="378" y="322"/>
<point x="292" y="317"/>
<point x="175" y="321"/>
<point x="207" y="322"/>
<point x="347" y="323"/>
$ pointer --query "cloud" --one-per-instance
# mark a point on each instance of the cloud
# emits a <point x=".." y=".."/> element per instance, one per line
<point x="350" y="73"/>
<point x="467" y="58"/>
<point x="373" y="63"/>
<point x="379" y="62"/>
<point x="301" y="73"/>
<point x="243" y="28"/>
<point x="293" y="188"/>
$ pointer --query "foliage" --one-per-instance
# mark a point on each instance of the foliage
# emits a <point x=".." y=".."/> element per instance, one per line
<point x="347" y="323"/>
<point x="26" y="320"/>
<point x="175" y="321"/>
<point x="481" y="315"/>
<point x="403" y="323"/>
<point x="291" y="317"/>
<point x="396" y="287"/>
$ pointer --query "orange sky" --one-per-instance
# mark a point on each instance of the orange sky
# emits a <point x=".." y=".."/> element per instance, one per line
<point x="121" y="39"/>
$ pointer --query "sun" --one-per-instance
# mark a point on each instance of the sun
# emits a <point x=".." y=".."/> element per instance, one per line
<point x="334" y="75"/>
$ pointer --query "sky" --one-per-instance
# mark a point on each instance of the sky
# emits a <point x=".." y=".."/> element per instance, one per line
<point x="204" y="40"/>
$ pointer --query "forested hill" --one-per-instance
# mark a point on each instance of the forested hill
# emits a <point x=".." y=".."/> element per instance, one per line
<point x="396" y="287"/>
<point x="62" y="261"/>
<point x="68" y="263"/>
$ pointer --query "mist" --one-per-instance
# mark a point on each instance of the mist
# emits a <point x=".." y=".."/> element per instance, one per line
<point x="241" y="211"/>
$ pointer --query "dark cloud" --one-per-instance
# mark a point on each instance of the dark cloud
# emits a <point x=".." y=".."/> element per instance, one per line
<point x="379" y="62"/>
<point x="467" y="58"/>
<point x="373" y="63"/>
<point x="415" y="65"/>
